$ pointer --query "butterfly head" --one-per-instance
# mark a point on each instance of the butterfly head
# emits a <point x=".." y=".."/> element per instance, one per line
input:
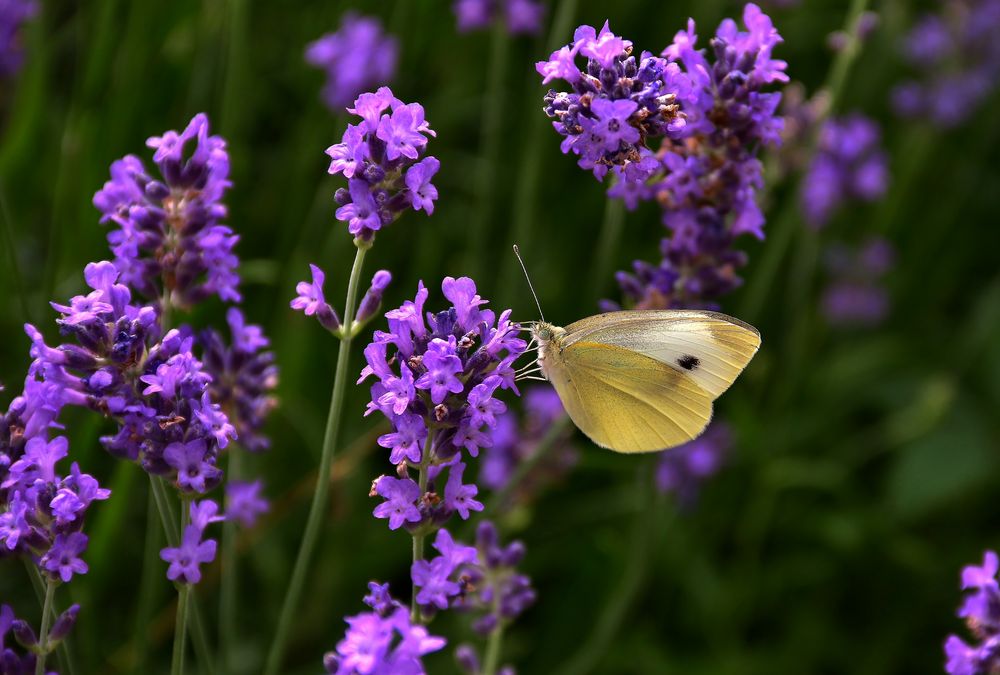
<point x="544" y="333"/>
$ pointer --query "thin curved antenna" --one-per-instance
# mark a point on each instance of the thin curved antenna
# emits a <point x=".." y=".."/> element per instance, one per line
<point x="531" y="288"/>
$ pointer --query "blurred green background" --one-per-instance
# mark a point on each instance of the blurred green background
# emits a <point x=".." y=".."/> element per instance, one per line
<point x="865" y="468"/>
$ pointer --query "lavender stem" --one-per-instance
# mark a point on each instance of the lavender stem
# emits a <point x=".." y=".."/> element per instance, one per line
<point x="183" y="595"/>
<point x="43" y="633"/>
<point x="228" y="598"/>
<point x="315" y="517"/>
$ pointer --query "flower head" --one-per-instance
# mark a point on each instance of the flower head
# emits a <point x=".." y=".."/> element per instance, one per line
<point x="981" y="611"/>
<point x="186" y="560"/>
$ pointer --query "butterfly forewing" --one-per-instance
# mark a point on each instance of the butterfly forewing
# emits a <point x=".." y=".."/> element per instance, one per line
<point x="711" y="348"/>
<point x="626" y="401"/>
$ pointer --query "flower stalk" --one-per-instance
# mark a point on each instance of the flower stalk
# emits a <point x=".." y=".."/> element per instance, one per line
<point x="314" y="519"/>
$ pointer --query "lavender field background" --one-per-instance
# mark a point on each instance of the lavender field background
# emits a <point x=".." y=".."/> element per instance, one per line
<point x="823" y="522"/>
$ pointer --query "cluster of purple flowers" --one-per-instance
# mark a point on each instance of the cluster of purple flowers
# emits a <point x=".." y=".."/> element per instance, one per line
<point x="958" y="56"/>
<point x="855" y="295"/>
<point x="711" y="118"/>
<point x="437" y="386"/>
<point x="848" y="164"/>
<point x="169" y="243"/>
<point x="360" y="55"/>
<point x="13" y="15"/>
<point x="482" y="579"/>
<point x="12" y="663"/>
<point x="156" y="389"/>
<point x="680" y="470"/>
<point x="43" y="512"/>
<point x="383" y="641"/>
<point x="186" y="559"/>
<point x="381" y="159"/>
<point x="520" y="16"/>
<point x="243" y="377"/>
<point x="516" y="441"/>
<point x="981" y="611"/>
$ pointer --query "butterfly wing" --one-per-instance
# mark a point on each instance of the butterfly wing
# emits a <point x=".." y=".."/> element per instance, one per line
<point x="711" y="348"/>
<point x="626" y="401"/>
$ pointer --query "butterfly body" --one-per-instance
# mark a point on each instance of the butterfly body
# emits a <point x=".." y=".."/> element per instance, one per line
<point x="644" y="380"/>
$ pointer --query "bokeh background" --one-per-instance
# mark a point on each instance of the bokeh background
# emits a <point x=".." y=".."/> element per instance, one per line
<point x="865" y="460"/>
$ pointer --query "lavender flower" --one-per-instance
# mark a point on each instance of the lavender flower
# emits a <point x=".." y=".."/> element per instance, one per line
<point x="855" y="295"/>
<point x="437" y="386"/>
<point x="682" y="469"/>
<point x="13" y="15"/>
<point x="519" y="16"/>
<point x="958" y="58"/>
<point x="516" y="442"/>
<point x="243" y="378"/>
<point x="357" y="57"/>
<point x="169" y="243"/>
<point x="849" y="164"/>
<point x="186" y="559"/>
<point x="379" y="157"/>
<point x="981" y="611"/>
<point x="155" y="389"/>
<point x="382" y="641"/>
<point x="481" y="579"/>
<point x="311" y="301"/>
<point x="244" y="503"/>
<point x="42" y="513"/>
<point x="710" y="119"/>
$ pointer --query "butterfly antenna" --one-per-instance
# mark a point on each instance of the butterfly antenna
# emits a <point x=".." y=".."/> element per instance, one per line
<point x="517" y="252"/>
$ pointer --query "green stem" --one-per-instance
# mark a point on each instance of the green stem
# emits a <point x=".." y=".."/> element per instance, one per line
<point x="43" y="633"/>
<point x="607" y="244"/>
<point x="314" y="520"/>
<point x="183" y="595"/>
<point x="228" y="597"/>
<point x="841" y="66"/>
<point x="490" y="143"/>
<point x="66" y="662"/>
<point x="492" y="658"/>
<point x="169" y="519"/>
<point x="420" y="535"/>
<point x="147" y="586"/>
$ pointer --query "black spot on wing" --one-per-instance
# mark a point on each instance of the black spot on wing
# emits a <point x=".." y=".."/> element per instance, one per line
<point x="688" y="362"/>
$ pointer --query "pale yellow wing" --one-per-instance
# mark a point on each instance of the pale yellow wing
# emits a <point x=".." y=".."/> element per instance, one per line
<point x="626" y="401"/>
<point x="711" y="348"/>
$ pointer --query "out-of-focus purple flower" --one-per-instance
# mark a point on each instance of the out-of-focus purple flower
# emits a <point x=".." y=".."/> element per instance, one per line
<point x="849" y="164"/>
<point x="855" y="295"/>
<point x="244" y="502"/>
<point x="244" y="377"/>
<point x="13" y="15"/>
<point x="383" y="641"/>
<point x="483" y="579"/>
<point x="519" y="16"/>
<point x="683" y="469"/>
<point x="381" y="158"/>
<point x="360" y="55"/>
<point x="169" y="243"/>
<point x="517" y="440"/>
<point x="981" y="611"/>
<point x="957" y="56"/>
<point x="186" y="560"/>
<point x="442" y="377"/>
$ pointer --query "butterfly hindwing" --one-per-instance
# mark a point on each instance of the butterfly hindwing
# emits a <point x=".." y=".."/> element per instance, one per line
<point x="626" y="401"/>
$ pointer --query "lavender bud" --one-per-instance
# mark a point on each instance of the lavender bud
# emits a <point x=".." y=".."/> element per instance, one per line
<point x="467" y="659"/>
<point x="24" y="634"/>
<point x="328" y="317"/>
<point x="372" y="300"/>
<point x="342" y="197"/>
<point x="64" y="624"/>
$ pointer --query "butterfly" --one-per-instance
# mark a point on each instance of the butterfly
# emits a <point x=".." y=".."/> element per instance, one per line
<point x="642" y="380"/>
